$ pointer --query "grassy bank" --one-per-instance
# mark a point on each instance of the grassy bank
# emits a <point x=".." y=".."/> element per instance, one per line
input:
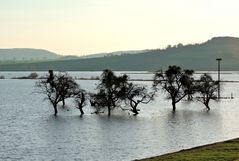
<point x="223" y="151"/>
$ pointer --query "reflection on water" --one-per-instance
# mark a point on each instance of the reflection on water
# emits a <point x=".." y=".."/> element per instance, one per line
<point x="29" y="131"/>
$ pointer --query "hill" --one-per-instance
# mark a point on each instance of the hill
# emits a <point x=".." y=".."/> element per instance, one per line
<point x="193" y="56"/>
<point x="116" y="53"/>
<point x="25" y="54"/>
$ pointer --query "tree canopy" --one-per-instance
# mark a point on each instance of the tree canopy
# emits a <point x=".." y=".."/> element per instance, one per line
<point x="57" y="88"/>
<point x="110" y="91"/>
<point x="207" y="89"/>
<point x="176" y="82"/>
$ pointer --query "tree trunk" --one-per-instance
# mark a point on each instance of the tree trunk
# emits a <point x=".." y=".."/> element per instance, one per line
<point x="134" y="108"/>
<point x="81" y="111"/>
<point x="135" y="111"/>
<point x="174" y="104"/>
<point x="63" y="102"/>
<point x="207" y="106"/>
<point x="109" y="110"/>
<point x="55" y="109"/>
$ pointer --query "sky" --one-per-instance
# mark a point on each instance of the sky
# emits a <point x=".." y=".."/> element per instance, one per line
<point x="83" y="27"/>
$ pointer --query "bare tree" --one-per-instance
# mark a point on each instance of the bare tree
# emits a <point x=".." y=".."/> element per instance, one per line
<point x="80" y="99"/>
<point x="137" y="94"/>
<point x="175" y="82"/>
<point x="52" y="93"/>
<point x="67" y="86"/>
<point x="207" y="89"/>
<point x="57" y="88"/>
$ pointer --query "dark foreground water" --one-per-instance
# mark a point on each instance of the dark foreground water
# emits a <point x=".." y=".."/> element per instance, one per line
<point x="29" y="131"/>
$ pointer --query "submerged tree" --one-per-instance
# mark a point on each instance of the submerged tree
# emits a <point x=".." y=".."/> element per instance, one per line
<point x="56" y="88"/>
<point x="176" y="82"/>
<point x="51" y="92"/>
<point x="67" y="86"/>
<point x="80" y="99"/>
<point x="99" y="102"/>
<point x="207" y="89"/>
<point x="111" y="91"/>
<point x="137" y="94"/>
<point x="189" y="84"/>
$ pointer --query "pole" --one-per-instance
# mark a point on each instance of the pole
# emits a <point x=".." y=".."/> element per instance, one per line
<point x="218" y="68"/>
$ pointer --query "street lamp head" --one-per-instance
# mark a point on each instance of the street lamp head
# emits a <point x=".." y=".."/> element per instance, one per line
<point x="218" y="59"/>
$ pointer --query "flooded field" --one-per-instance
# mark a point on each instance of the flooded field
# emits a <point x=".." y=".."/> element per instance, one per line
<point x="29" y="131"/>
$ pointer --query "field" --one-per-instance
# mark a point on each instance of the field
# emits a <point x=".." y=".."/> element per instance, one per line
<point x="224" y="151"/>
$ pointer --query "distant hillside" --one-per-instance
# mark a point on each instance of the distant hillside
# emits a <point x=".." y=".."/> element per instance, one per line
<point x="19" y="54"/>
<point x="69" y="57"/>
<point x="195" y="56"/>
<point x="116" y="53"/>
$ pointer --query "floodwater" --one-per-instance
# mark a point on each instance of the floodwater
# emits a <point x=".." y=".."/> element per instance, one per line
<point x="29" y="131"/>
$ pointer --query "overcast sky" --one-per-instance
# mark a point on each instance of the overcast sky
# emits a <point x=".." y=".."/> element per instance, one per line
<point x="94" y="26"/>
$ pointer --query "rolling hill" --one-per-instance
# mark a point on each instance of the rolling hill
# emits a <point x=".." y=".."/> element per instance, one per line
<point x="17" y="54"/>
<point x="193" y="56"/>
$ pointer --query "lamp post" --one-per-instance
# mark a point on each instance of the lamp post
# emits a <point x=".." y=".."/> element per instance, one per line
<point x="218" y="68"/>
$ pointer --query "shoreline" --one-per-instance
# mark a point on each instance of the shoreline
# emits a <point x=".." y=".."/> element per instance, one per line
<point x="223" y="151"/>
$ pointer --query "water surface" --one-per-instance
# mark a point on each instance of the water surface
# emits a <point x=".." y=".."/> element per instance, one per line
<point x="29" y="131"/>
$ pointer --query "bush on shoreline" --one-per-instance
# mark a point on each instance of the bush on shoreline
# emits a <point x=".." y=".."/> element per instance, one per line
<point x="30" y="76"/>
